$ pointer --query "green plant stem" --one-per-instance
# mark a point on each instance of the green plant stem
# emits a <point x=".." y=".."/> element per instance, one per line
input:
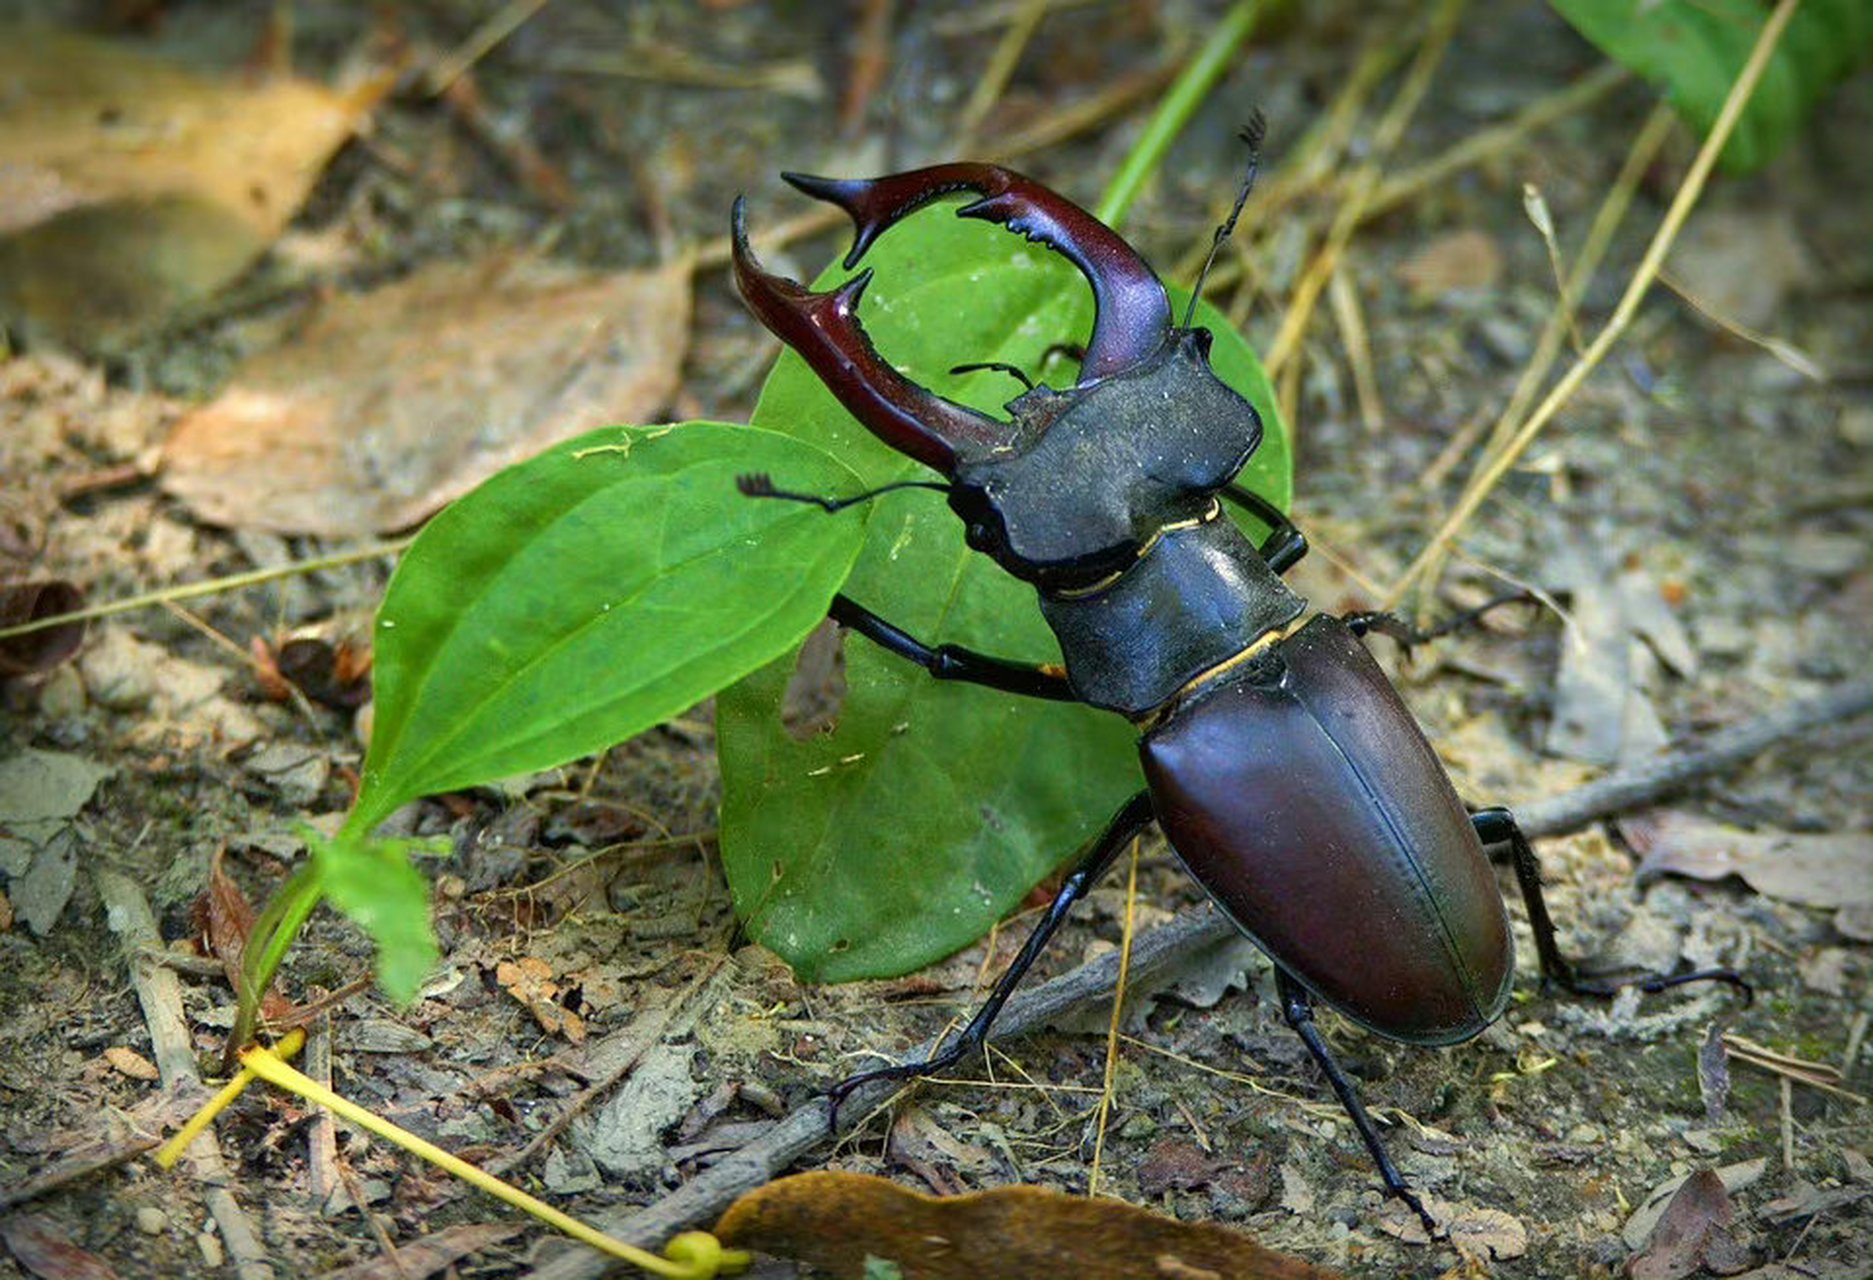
<point x="1179" y="104"/>
<point x="273" y="935"/>
<point x="213" y="586"/>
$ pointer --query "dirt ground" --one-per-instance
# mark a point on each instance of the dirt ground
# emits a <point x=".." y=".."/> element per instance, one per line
<point x="1720" y="494"/>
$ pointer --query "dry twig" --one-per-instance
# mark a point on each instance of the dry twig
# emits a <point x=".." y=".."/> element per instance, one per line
<point x="159" y="991"/>
<point x="1689" y="190"/>
<point x="710" y="1192"/>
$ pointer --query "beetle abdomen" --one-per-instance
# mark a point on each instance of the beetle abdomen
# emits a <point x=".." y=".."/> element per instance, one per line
<point x="1300" y="792"/>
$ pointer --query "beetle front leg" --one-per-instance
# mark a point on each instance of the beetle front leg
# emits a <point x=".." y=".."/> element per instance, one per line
<point x="1298" y="1009"/>
<point x="1128" y="822"/>
<point x="1497" y="827"/>
<point x="1284" y="546"/>
<point x="953" y="662"/>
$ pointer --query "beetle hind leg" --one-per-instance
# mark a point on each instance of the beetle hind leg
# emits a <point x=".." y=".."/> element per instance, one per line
<point x="1132" y="818"/>
<point x="1298" y="1009"/>
<point x="1408" y="635"/>
<point x="1497" y="827"/>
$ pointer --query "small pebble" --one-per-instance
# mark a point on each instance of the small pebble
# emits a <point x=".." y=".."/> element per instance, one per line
<point x="210" y="1245"/>
<point x="151" y="1220"/>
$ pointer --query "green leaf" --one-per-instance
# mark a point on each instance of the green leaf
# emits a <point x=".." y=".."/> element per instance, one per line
<point x="372" y="881"/>
<point x="931" y="809"/>
<point x="1694" y="50"/>
<point x="588" y="594"/>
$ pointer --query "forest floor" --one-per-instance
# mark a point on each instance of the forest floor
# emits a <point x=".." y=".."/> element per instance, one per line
<point x="1702" y="509"/>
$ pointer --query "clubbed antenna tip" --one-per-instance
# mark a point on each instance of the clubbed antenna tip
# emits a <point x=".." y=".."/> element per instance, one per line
<point x="1251" y="135"/>
<point x="1254" y="131"/>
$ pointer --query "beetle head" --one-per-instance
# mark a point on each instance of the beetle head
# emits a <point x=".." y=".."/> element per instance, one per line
<point x="1079" y="482"/>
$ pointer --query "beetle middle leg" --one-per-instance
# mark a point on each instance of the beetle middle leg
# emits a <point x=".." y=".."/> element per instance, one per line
<point x="1496" y="828"/>
<point x="1297" y="1007"/>
<point x="1131" y="818"/>
<point x="953" y="662"/>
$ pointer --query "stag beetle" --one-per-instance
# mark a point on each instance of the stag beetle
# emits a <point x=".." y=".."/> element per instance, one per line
<point x="1280" y="763"/>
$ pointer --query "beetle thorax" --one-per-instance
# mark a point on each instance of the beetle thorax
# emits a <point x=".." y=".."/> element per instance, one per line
<point x="1094" y="473"/>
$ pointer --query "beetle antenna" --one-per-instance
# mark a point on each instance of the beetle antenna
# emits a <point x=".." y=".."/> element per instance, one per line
<point x="756" y="484"/>
<point x="1013" y="371"/>
<point x="1251" y="135"/>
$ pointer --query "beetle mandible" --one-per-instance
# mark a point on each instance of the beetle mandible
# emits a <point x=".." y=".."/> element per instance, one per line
<point x="1280" y="763"/>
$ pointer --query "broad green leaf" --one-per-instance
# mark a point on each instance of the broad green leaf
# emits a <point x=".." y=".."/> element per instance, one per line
<point x="931" y="809"/>
<point x="589" y="593"/>
<point x="372" y="881"/>
<point x="1695" y="49"/>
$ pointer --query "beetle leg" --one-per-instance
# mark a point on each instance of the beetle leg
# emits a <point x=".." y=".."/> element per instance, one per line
<point x="953" y="662"/>
<point x="1299" y="1011"/>
<point x="1408" y="635"/>
<point x="1497" y="827"/>
<point x="1131" y="818"/>
<point x="824" y="328"/>
<point x="1285" y="545"/>
<point x="1133" y="314"/>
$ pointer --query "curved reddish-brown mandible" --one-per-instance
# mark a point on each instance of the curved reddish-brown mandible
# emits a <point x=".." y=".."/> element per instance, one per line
<point x="1133" y="314"/>
<point x="825" y="330"/>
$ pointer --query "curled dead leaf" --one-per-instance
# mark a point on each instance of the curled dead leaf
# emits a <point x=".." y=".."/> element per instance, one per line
<point x="134" y="187"/>
<point x="836" y="1220"/>
<point x="391" y="403"/>
<point x="38" y="651"/>
<point x="1829" y="870"/>
<point x="1693" y="1234"/>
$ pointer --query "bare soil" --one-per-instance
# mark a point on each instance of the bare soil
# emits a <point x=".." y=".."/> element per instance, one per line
<point x="1694" y="462"/>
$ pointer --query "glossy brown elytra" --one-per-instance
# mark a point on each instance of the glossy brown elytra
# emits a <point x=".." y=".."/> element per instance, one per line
<point x="1279" y="761"/>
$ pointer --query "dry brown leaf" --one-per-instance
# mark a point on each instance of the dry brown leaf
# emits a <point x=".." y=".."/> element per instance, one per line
<point x="131" y="187"/>
<point x="428" y="1254"/>
<point x="1693" y="1234"/>
<point x="834" y="1220"/>
<point x="530" y="981"/>
<point x="393" y="402"/>
<point x="43" y="1249"/>
<point x="225" y="918"/>
<point x="1832" y="870"/>
<point x="38" y="651"/>
<point x="129" y="1062"/>
<point x="1458" y="260"/>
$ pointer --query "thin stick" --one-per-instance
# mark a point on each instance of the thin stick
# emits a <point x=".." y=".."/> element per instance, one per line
<point x="1174" y="112"/>
<point x="269" y="1067"/>
<point x="1309" y="165"/>
<point x="1058" y="126"/>
<point x="1606" y="222"/>
<point x="1112" y="1028"/>
<point x="993" y="81"/>
<point x="1681" y="206"/>
<point x="706" y="1195"/>
<point x="619" y="1053"/>
<point x="159" y="991"/>
<point x="480" y="43"/>
<point x="214" y="586"/>
<point x="1488" y="143"/>
<point x="1364" y="183"/>
<point x="1286" y="188"/>
<point x="1787" y="352"/>
<point x="1343" y="300"/>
